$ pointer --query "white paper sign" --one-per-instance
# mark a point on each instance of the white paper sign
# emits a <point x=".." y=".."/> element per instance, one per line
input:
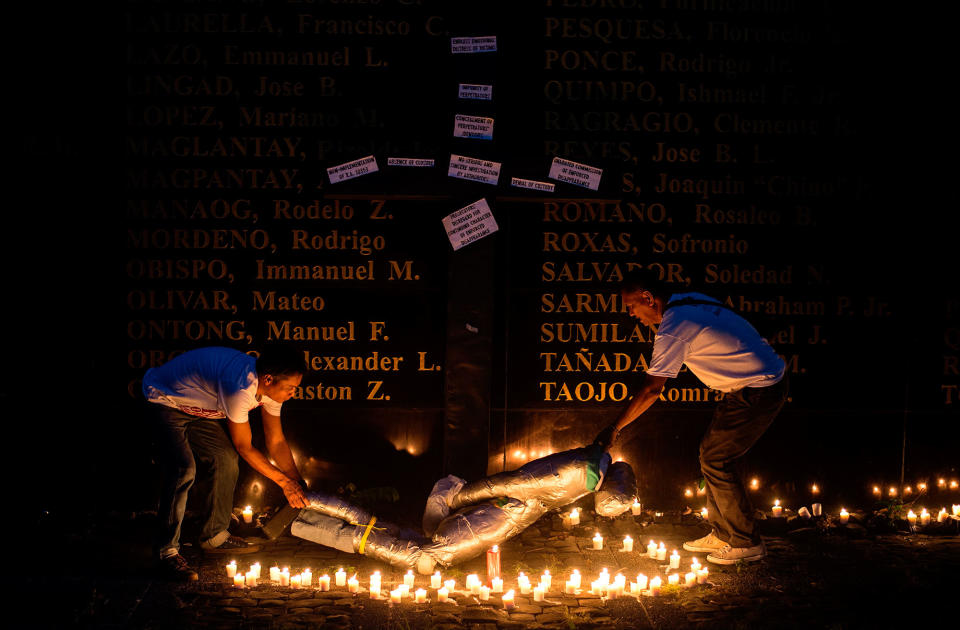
<point x="408" y="162"/>
<point x="473" y="44"/>
<point x="470" y="224"/>
<point x="463" y="167"/>
<point x="356" y="168"/>
<point x="476" y="127"/>
<point x="531" y="184"/>
<point x="476" y="92"/>
<point x="575" y="173"/>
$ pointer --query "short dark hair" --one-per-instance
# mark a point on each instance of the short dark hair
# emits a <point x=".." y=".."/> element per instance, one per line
<point x="644" y="279"/>
<point x="281" y="361"/>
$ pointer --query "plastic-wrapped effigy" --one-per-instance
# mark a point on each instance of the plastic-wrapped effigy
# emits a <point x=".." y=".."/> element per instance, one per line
<point x="464" y="519"/>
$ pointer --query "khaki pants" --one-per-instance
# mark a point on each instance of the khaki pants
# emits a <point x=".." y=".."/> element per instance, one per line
<point x="737" y="424"/>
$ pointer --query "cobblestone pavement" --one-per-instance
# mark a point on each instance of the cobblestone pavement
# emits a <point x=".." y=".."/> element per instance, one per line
<point x="814" y="577"/>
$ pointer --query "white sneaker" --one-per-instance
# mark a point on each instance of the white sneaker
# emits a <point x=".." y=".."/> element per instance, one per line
<point x="732" y="555"/>
<point x="706" y="544"/>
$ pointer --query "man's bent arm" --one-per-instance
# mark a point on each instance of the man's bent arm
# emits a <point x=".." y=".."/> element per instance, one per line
<point x="243" y="441"/>
<point x="277" y="445"/>
<point x="645" y="396"/>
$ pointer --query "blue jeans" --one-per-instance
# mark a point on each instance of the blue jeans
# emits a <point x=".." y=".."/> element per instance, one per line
<point x="184" y="441"/>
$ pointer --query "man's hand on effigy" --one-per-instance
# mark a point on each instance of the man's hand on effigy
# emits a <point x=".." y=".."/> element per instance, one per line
<point x="607" y="437"/>
<point x="294" y="493"/>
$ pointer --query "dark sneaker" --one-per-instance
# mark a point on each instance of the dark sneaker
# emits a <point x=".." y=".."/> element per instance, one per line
<point x="732" y="555"/>
<point x="175" y="567"/>
<point x="233" y="545"/>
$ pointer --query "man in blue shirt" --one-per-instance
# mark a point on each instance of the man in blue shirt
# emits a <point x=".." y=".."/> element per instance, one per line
<point x="201" y="401"/>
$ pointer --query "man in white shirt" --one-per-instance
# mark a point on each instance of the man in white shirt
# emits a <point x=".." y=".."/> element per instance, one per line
<point x="725" y="352"/>
<point x="201" y="403"/>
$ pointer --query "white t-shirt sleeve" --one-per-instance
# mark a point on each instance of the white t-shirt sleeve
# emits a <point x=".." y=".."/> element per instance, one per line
<point x="669" y="353"/>
<point x="237" y="406"/>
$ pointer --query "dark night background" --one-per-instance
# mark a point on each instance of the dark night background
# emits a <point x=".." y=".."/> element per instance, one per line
<point x="74" y="431"/>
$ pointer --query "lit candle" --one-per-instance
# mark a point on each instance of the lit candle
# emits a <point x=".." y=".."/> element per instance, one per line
<point x="661" y="552"/>
<point x="641" y="583"/>
<point x="655" y="585"/>
<point x="908" y="490"/>
<point x="396" y="596"/>
<point x="442" y="593"/>
<point x="956" y="509"/>
<point x="597" y="541"/>
<point x="323" y="582"/>
<point x="615" y="590"/>
<point x="295" y="580"/>
<point x="569" y="588"/>
<point x="450" y="585"/>
<point x="274" y="574"/>
<point x="306" y="578"/>
<point x="484" y="593"/>
<point x="876" y="490"/>
<point x="690" y="579"/>
<point x="674" y="560"/>
<point x="546" y="580"/>
<point x="238" y="579"/>
<point x="942" y="483"/>
<point x="942" y="515"/>
<point x="475" y="588"/>
<point x="524" y="583"/>
<point x="893" y="491"/>
<point x="921" y="487"/>
<point x="232" y="568"/>
<point x="247" y="514"/>
<point x="404" y="590"/>
<point x="285" y="577"/>
<point x="704" y="513"/>
<point x="255" y="567"/>
<point x="575" y="516"/>
<point x="375" y="579"/>
<point x="538" y="593"/>
<point x="844" y="516"/>
<point x="420" y="596"/>
<point x="924" y="517"/>
<point x="815" y="489"/>
<point x="496" y="585"/>
<point x="776" y="509"/>
<point x="340" y="576"/>
<point x="636" y="508"/>
<point x="604" y="576"/>
<point x="754" y="484"/>
<point x="353" y="584"/>
<point x="435" y="580"/>
<point x="954" y="484"/>
<point x="695" y="565"/>
<point x="673" y="579"/>
<point x="575" y="578"/>
<point x="627" y="543"/>
<point x="493" y="562"/>
<point x="911" y="518"/>
<point x="251" y="579"/>
<point x="652" y="549"/>
<point x="804" y="512"/>
<point x="596" y="587"/>
<point x="702" y="575"/>
<point x="408" y="578"/>
<point x="817" y="509"/>
<point x="688" y="493"/>
<point x="374" y="591"/>
<point x="507" y="599"/>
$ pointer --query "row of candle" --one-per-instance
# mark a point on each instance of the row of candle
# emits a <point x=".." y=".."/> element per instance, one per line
<point x="601" y="586"/>
<point x="925" y="517"/>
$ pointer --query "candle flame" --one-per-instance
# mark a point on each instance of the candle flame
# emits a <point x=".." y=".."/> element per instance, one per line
<point x="776" y="502"/>
<point x="754" y="483"/>
<point x="814" y="488"/>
